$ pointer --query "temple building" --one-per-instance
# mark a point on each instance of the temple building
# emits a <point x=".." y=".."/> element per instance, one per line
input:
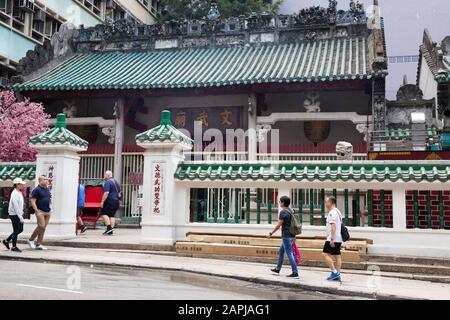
<point x="317" y="76"/>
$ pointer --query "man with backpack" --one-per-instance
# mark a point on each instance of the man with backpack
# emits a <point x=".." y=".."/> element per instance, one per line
<point x="289" y="230"/>
<point x="334" y="240"/>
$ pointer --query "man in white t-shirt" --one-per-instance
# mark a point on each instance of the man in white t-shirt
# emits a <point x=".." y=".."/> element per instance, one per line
<point x="333" y="244"/>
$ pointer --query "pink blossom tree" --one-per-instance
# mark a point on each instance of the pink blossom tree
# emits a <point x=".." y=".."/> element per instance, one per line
<point x="19" y="121"/>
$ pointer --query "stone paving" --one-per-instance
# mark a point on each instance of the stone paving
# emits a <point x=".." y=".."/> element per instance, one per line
<point x="362" y="284"/>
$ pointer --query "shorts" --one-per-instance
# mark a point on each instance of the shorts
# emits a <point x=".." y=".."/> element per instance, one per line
<point x="336" y="251"/>
<point x="110" y="208"/>
<point x="79" y="211"/>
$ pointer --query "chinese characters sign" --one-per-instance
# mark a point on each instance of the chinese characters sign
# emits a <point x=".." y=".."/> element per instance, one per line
<point x="221" y="118"/>
<point x="49" y="172"/>
<point x="157" y="188"/>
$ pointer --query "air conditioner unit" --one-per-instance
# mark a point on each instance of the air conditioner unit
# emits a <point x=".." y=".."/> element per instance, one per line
<point x="39" y="15"/>
<point x="24" y="5"/>
<point x="4" y="82"/>
<point x="111" y="4"/>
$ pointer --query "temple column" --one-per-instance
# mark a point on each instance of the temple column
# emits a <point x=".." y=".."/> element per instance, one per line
<point x="399" y="207"/>
<point x="443" y="98"/>
<point x="119" y="110"/>
<point x="252" y="117"/>
<point x="379" y="111"/>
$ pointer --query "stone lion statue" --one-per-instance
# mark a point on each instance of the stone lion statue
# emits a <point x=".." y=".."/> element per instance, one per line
<point x="344" y="151"/>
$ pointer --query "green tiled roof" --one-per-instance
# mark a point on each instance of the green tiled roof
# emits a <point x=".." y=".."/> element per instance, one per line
<point x="322" y="60"/>
<point x="325" y="171"/>
<point x="59" y="135"/>
<point x="11" y="171"/>
<point x="165" y="132"/>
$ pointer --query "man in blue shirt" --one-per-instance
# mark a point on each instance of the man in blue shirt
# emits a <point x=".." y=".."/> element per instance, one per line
<point x="40" y="201"/>
<point x="80" y="207"/>
<point x="110" y="202"/>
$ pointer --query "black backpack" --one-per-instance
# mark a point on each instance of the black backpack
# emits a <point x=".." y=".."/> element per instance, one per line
<point x="344" y="230"/>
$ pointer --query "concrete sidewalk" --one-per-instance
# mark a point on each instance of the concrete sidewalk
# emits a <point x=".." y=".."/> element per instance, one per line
<point x="362" y="284"/>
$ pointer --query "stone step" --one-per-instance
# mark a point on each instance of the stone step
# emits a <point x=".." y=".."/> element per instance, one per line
<point x="425" y="261"/>
<point x="217" y="249"/>
<point x="359" y="246"/>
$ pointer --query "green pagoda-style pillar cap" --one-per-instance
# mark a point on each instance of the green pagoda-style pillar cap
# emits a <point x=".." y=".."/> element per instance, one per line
<point x="165" y="132"/>
<point x="59" y="135"/>
<point x="166" y="118"/>
<point x="61" y="120"/>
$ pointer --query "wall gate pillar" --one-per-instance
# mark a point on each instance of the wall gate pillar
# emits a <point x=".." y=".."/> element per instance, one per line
<point x="164" y="147"/>
<point x="58" y="159"/>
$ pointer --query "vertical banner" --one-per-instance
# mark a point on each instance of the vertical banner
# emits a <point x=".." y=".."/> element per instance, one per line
<point x="157" y="206"/>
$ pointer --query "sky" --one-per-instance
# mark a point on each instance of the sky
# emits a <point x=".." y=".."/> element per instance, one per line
<point x="405" y="21"/>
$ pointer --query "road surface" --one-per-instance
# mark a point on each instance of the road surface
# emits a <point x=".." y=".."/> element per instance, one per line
<point x="28" y="280"/>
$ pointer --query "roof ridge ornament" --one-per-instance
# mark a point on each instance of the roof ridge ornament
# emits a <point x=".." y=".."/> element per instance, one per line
<point x="214" y="13"/>
<point x="317" y="15"/>
<point x="357" y="10"/>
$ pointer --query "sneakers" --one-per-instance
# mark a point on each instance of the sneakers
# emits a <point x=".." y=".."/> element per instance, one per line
<point x="6" y="244"/>
<point x="15" y="249"/>
<point x="108" y="232"/>
<point x="334" y="276"/>
<point x="275" y="271"/>
<point x="83" y="229"/>
<point x="293" y="275"/>
<point x="40" y="247"/>
<point x="31" y="244"/>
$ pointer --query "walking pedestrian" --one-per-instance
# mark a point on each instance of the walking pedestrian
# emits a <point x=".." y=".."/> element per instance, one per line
<point x="110" y="202"/>
<point x="284" y="221"/>
<point x="41" y="199"/>
<point x="332" y="248"/>
<point x="80" y="207"/>
<point x="15" y="211"/>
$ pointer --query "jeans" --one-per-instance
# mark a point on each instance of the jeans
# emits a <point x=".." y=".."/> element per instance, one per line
<point x="17" y="229"/>
<point x="286" y="246"/>
<point x="43" y="219"/>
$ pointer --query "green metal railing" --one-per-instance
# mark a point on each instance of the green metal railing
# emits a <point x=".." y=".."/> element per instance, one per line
<point x="367" y="208"/>
<point x="225" y="205"/>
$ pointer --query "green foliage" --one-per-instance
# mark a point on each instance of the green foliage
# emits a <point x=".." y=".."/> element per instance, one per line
<point x="198" y="9"/>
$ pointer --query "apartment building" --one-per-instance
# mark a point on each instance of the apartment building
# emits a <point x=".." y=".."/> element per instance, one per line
<point x="25" y="23"/>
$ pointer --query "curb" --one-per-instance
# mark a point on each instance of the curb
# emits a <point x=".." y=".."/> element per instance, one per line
<point x="301" y="286"/>
<point x="108" y="246"/>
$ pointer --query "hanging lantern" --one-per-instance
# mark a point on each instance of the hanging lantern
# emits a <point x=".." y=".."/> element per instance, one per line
<point x="317" y="131"/>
